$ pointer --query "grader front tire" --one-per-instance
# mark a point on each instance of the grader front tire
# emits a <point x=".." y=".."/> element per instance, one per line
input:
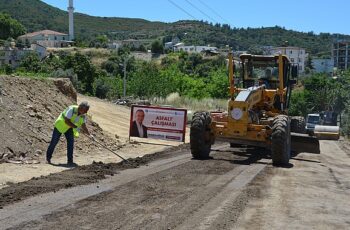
<point x="281" y="140"/>
<point x="200" y="135"/>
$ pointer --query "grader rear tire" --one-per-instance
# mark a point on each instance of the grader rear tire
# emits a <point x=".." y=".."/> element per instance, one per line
<point x="200" y="135"/>
<point x="281" y="140"/>
<point x="298" y="124"/>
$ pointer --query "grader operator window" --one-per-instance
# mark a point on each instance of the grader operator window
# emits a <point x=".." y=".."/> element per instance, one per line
<point x="260" y="73"/>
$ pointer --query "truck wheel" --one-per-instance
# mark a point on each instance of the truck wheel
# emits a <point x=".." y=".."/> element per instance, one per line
<point x="281" y="140"/>
<point x="298" y="124"/>
<point x="200" y="140"/>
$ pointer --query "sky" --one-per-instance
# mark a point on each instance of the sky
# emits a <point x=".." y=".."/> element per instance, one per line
<point x="319" y="16"/>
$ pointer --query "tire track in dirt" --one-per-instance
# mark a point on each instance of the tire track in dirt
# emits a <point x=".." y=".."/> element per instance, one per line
<point x="164" y="199"/>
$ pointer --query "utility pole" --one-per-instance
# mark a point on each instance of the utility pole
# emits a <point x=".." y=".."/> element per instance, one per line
<point x="124" y="79"/>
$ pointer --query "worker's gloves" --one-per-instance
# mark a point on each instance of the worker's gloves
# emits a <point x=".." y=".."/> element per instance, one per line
<point x="92" y="137"/>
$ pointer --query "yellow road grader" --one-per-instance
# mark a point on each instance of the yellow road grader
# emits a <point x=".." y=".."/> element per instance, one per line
<point x="257" y="112"/>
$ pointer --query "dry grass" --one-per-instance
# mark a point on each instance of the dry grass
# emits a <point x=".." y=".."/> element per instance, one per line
<point x="206" y="104"/>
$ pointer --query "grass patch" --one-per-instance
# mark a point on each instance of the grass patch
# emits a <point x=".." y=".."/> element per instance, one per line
<point x="206" y="104"/>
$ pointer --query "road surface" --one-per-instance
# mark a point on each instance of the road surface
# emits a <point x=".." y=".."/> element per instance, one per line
<point x="237" y="189"/>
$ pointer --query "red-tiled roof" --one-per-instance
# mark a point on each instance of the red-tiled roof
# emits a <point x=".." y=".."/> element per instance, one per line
<point x="42" y="32"/>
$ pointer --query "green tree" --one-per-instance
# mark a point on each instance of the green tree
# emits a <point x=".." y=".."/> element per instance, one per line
<point x="10" y="27"/>
<point x="85" y="70"/>
<point x="218" y="86"/>
<point x="345" y="122"/>
<point x="157" y="47"/>
<point x="324" y="93"/>
<point x="108" y="86"/>
<point x="101" y="41"/>
<point x="124" y="51"/>
<point x="145" y="82"/>
<point x="255" y="49"/>
<point x="298" y="105"/>
<point x="8" y="69"/>
<point x="19" y="43"/>
<point x="31" y="62"/>
<point x="309" y="63"/>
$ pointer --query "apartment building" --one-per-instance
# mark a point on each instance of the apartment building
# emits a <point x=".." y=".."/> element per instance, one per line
<point x="341" y="54"/>
<point x="296" y="55"/>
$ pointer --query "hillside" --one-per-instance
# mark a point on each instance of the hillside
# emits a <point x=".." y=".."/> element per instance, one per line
<point x="37" y="15"/>
<point x="33" y="14"/>
<point x="28" y="110"/>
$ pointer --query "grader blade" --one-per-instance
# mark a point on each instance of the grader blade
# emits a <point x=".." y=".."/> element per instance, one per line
<point x="304" y="143"/>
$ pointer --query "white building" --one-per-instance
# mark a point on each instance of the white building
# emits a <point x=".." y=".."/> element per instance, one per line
<point x="46" y="38"/>
<point x="40" y="50"/>
<point x="296" y="55"/>
<point x="323" y="65"/>
<point x="12" y="56"/>
<point x="170" y="45"/>
<point x="193" y="49"/>
<point x="114" y="45"/>
<point x="132" y="43"/>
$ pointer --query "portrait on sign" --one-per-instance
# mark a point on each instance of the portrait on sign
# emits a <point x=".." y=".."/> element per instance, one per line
<point x="138" y="129"/>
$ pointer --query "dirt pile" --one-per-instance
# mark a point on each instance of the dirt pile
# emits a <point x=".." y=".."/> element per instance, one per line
<point x="28" y="109"/>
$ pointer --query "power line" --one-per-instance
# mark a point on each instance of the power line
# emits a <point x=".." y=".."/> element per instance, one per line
<point x="210" y="18"/>
<point x="212" y="10"/>
<point x="182" y="9"/>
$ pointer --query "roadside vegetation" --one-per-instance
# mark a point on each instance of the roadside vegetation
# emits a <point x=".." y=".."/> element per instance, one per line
<point x="194" y="81"/>
<point x="320" y="92"/>
<point x="190" y="75"/>
<point x="179" y="79"/>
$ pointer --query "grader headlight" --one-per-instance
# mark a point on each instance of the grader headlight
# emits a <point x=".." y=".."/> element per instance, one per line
<point x="236" y="113"/>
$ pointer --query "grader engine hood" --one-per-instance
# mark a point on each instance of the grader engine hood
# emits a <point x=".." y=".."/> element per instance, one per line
<point x="238" y="115"/>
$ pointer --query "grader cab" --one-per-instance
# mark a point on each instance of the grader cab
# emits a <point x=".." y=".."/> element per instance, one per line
<point x="257" y="112"/>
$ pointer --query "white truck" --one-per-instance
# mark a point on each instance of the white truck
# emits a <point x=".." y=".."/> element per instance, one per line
<point x="323" y="126"/>
<point x="312" y="120"/>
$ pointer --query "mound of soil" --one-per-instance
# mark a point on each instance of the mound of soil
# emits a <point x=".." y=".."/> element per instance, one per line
<point x="28" y="109"/>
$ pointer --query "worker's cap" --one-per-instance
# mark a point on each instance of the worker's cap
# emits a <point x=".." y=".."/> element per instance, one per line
<point x="85" y="105"/>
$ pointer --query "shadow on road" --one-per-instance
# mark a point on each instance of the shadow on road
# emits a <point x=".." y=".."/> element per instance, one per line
<point x="65" y="165"/>
<point x="299" y="159"/>
<point x="251" y="155"/>
<point x="247" y="155"/>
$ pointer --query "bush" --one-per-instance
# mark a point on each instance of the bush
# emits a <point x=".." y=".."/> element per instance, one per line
<point x="101" y="88"/>
<point x="69" y="73"/>
<point x="108" y="87"/>
<point x="31" y="62"/>
<point x="8" y="69"/>
<point x="157" y="47"/>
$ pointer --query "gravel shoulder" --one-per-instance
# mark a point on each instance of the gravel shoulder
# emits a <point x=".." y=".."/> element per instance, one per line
<point x="313" y="194"/>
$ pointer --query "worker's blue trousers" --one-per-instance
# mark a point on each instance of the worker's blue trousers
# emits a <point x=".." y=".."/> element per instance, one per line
<point x="55" y="139"/>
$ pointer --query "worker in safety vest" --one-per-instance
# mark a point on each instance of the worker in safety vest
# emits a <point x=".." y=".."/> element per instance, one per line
<point x="69" y="123"/>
